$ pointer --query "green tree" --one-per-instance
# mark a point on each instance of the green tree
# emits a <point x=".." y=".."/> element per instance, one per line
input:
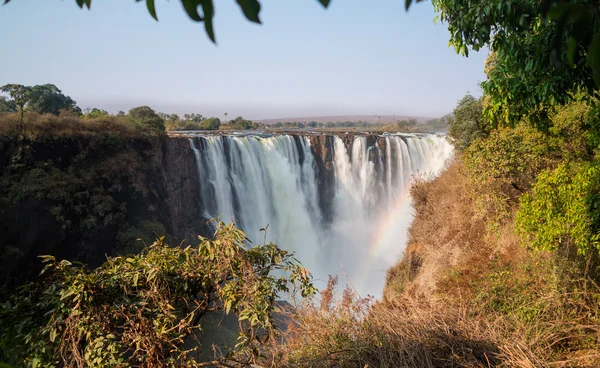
<point x="139" y="311"/>
<point x="146" y="119"/>
<point x="96" y="113"/>
<point x="468" y="123"/>
<point x="563" y="210"/>
<point x="210" y="124"/>
<point x="20" y="96"/>
<point x="48" y="99"/>
<point x="542" y="51"/>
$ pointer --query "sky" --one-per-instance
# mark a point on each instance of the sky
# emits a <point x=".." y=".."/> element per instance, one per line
<point x="355" y="58"/>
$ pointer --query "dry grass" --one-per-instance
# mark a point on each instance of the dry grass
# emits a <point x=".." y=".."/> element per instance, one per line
<point x="461" y="296"/>
<point x="508" y="321"/>
<point x="445" y="229"/>
<point x="66" y="125"/>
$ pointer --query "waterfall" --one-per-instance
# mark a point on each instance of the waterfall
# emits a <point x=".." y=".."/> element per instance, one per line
<point x="258" y="180"/>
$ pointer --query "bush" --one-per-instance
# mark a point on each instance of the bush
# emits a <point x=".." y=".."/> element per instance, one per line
<point x="563" y="209"/>
<point x="468" y="123"/>
<point x="504" y="165"/>
<point x="141" y="310"/>
<point x="145" y="119"/>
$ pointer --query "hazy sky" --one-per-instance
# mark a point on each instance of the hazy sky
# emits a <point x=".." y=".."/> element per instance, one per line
<point x="357" y="57"/>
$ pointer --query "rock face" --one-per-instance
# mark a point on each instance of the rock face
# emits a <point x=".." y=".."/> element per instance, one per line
<point x="85" y="197"/>
<point x="181" y="212"/>
<point x="323" y="153"/>
<point x="322" y="150"/>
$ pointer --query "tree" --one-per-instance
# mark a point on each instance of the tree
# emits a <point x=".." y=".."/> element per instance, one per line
<point x="210" y="124"/>
<point x="96" y="113"/>
<point x="542" y="51"/>
<point x="140" y="310"/>
<point x="20" y="96"/>
<point x="48" y="99"/>
<point x="146" y="119"/>
<point x="121" y="113"/>
<point x="468" y="123"/>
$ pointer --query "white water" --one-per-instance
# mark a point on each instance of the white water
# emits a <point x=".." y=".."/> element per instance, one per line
<point x="257" y="181"/>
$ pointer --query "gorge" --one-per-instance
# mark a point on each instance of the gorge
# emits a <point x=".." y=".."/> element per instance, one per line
<point x="339" y="201"/>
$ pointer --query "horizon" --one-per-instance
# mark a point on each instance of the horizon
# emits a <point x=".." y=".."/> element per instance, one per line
<point x="116" y="57"/>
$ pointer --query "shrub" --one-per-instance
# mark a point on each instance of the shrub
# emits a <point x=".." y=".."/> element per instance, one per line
<point x="563" y="209"/>
<point x="504" y="165"/>
<point x="467" y="123"/>
<point x="141" y="310"/>
<point x="145" y="119"/>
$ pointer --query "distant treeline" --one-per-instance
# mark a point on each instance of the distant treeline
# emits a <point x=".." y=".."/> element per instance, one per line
<point x="440" y="124"/>
<point x="49" y="99"/>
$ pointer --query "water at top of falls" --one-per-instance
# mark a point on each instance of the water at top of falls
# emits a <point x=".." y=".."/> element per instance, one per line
<point x="260" y="179"/>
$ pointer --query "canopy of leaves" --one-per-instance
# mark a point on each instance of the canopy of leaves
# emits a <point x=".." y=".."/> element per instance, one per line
<point x="42" y="99"/>
<point x="140" y="310"/>
<point x="146" y="119"/>
<point x="242" y="124"/>
<point x="563" y="209"/>
<point x="541" y="51"/>
<point x="468" y="123"/>
<point x="48" y="99"/>
<point x="96" y="113"/>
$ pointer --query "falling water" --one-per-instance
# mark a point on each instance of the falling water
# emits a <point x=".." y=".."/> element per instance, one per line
<point x="257" y="180"/>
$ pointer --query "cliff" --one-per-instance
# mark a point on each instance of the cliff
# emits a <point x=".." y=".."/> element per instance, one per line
<point x="84" y="197"/>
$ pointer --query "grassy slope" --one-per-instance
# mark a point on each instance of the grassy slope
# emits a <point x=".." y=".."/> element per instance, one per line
<point x="459" y="297"/>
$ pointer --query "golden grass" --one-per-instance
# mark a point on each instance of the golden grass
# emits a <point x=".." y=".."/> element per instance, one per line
<point x="52" y="125"/>
<point x="461" y="296"/>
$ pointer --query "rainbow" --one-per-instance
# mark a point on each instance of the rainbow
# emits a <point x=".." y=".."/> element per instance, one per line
<point x="386" y="239"/>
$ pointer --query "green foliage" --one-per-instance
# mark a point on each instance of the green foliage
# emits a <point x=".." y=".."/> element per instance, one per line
<point x="141" y="310"/>
<point x="192" y="122"/>
<point x="210" y="124"/>
<point x="577" y="127"/>
<point x="241" y="124"/>
<point x="48" y="99"/>
<point x="563" y="209"/>
<point x="96" y="114"/>
<point x="541" y="51"/>
<point x="146" y="119"/>
<point x="7" y="105"/>
<point x="468" y="123"/>
<point x="41" y="99"/>
<point x="503" y="165"/>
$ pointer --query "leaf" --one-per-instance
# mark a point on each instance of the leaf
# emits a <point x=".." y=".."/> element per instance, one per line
<point x="407" y="4"/>
<point x="81" y="3"/>
<point x="207" y="7"/>
<point x="135" y="279"/>
<point x="325" y="3"/>
<point x="571" y="48"/>
<point x="251" y="9"/>
<point x="191" y="8"/>
<point x="151" y="8"/>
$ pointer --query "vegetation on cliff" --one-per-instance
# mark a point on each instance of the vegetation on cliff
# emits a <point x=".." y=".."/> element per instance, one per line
<point x="147" y="310"/>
